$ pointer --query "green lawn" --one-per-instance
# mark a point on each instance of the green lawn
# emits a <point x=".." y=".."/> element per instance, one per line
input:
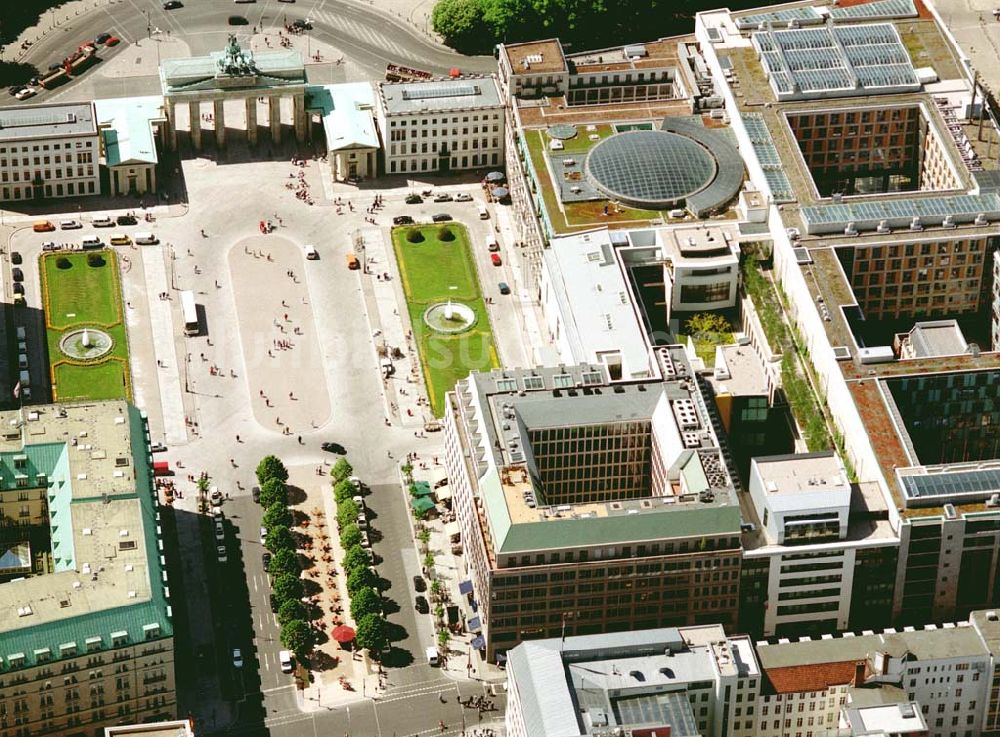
<point x="435" y="271"/>
<point x="78" y="296"/>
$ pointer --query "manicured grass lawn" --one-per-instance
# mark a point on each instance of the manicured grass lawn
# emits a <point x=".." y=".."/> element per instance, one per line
<point x="435" y="271"/>
<point x="85" y="296"/>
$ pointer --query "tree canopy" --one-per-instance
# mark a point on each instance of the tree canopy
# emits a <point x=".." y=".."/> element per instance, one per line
<point x="273" y="491"/>
<point x="356" y="557"/>
<point x="276" y="515"/>
<point x="365" y="601"/>
<point x="350" y="535"/>
<point x="286" y="587"/>
<point x="284" y="561"/>
<point x="358" y="579"/>
<point x="341" y="469"/>
<point x="279" y="538"/>
<point x="347" y="512"/>
<point x="291" y="609"/>
<point x="271" y="467"/>
<point x="298" y="637"/>
<point x="343" y="490"/>
<point x="370" y="633"/>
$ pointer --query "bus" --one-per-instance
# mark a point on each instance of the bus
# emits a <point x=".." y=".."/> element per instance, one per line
<point x="190" y="310"/>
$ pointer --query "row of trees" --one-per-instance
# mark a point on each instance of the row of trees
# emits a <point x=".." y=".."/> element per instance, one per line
<point x="366" y="602"/>
<point x="474" y="26"/>
<point x="284" y="567"/>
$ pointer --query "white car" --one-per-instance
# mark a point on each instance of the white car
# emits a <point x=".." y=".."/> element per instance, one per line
<point x="237" y="658"/>
<point x="285" y="658"/>
<point x="26" y="93"/>
<point x="263" y="535"/>
<point x="50" y="246"/>
<point x="220" y="551"/>
<point x="70" y="224"/>
<point x="102" y="221"/>
<point x="220" y="530"/>
<point x="463" y="197"/>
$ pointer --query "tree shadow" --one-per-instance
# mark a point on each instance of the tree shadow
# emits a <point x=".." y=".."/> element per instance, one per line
<point x="295" y="495"/>
<point x="322" y="661"/>
<point x="390" y="606"/>
<point x="397" y="657"/>
<point x="395" y="632"/>
<point x="311" y="588"/>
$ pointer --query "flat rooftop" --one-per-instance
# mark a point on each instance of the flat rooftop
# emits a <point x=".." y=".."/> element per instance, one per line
<point x="439" y="95"/>
<point x="129" y="134"/>
<point x="107" y="581"/>
<point x="740" y="372"/>
<point x="27" y="122"/>
<point x="937" y="338"/>
<point x="536" y="57"/>
<point x="802" y="472"/>
<point x="178" y="728"/>
<point x="661" y="54"/>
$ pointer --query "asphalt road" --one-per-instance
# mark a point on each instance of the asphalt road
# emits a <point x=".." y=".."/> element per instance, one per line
<point x="368" y="38"/>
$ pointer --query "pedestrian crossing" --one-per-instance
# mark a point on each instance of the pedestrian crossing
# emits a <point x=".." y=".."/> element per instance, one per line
<point x="362" y="33"/>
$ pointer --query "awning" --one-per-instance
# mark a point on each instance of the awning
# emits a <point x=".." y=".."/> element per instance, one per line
<point x="420" y="488"/>
<point x="443" y="493"/>
<point x="452" y="530"/>
<point x="422" y="504"/>
<point x="474" y="624"/>
<point x="495" y="176"/>
<point x="479" y="643"/>
<point x="465" y="587"/>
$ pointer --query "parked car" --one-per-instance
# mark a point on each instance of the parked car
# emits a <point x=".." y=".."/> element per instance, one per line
<point x="402" y="220"/>
<point x="413" y="199"/>
<point x="18" y="288"/>
<point x="263" y="535"/>
<point x="265" y="558"/>
<point x="441" y="217"/>
<point x="157" y="447"/>
<point x="50" y="246"/>
<point x="113" y="41"/>
<point x="463" y="197"/>
<point x="337" y="448"/>
<point x="493" y="246"/>
<point x="421" y="605"/>
<point x="443" y="197"/>
<point x="220" y="551"/>
<point x="495" y="258"/>
<point x="419" y="583"/>
<point x="256" y="494"/>
<point x="26" y="93"/>
<point x="15" y="89"/>
<point x="42" y="226"/>
<point x="285" y="657"/>
<point x="102" y="38"/>
<point x="216" y="496"/>
<point x="120" y="239"/>
<point x="102" y="221"/>
<point x="220" y="530"/>
<point x="274" y="604"/>
<point x="126" y="220"/>
<point x="302" y="24"/>
<point x="173" y="5"/>
<point x="311" y="253"/>
<point x="504" y="287"/>
<point x="70" y="225"/>
<point x="237" y="658"/>
<point x="17" y="274"/>
<point x="15" y="257"/>
<point x="238" y="20"/>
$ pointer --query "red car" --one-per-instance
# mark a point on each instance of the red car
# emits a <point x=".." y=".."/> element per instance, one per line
<point x="113" y="41"/>
<point x="495" y="258"/>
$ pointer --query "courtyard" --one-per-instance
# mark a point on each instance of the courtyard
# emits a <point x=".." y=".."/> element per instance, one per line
<point x="451" y="341"/>
<point x="85" y="330"/>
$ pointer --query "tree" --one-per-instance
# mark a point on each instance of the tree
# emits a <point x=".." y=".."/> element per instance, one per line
<point x="708" y="323"/>
<point x="359" y="579"/>
<point x="279" y="538"/>
<point x="284" y="561"/>
<point x="365" y="601"/>
<point x="291" y="609"/>
<point x="276" y="515"/>
<point x="356" y="557"/>
<point x="341" y="469"/>
<point x="370" y="634"/>
<point x="347" y="512"/>
<point x="273" y="491"/>
<point x="286" y="587"/>
<point x="298" y="637"/>
<point x="350" y="536"/>
<point x="15" y="72"/>
<point x="343" y="490"/>
<point x="271" y="467"/>
<point x="460" y="23"/>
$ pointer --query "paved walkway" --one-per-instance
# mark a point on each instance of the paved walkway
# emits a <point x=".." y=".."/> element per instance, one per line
<point x="284" y="365"/>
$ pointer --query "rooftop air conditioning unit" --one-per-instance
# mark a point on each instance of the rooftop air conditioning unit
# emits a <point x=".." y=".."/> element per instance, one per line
<point x="883" y="226"/>
<point x="915" y="223"/>
<point x="850" y="229"/>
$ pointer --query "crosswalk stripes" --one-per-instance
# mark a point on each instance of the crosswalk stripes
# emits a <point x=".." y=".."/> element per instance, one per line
<point x="359" y="31"/>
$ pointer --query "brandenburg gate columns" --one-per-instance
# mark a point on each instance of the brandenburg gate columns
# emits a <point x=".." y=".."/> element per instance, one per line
<point x="251" y="105"/>
<point x="194" y="113"/>
<point x="170" y="139"/>
<point x="220" y="122"/>
<point x="274" y="117"/>
<point x="299" y="116"/>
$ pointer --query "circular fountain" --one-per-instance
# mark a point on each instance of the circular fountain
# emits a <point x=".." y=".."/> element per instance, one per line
<point x="449" y="317"/>
<point x="86" y="344"/>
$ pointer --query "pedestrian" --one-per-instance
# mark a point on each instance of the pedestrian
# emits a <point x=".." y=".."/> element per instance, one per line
<point x="300" y="440"/>
<point x="238" y="439"/>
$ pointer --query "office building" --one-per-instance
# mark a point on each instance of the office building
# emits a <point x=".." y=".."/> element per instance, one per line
<point x="86" y="636"/>
<point x="589" y="506"/>
<point x="688" y="682"/>
<point x="50" y="150"/>
<point x="441" y="125"/>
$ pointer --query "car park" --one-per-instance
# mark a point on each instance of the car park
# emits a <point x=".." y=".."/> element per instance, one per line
<point x="463" y="197"/>
<point x="331" y="447"/>
<point x="504" y="287"/>
<point x="419" y="583"/>
<point x="441" y="217"/>
<point x="126" y="220"/>
<point x="495" y="258"/>
<point x="402" y="220"/>
<point x="102" y="221"/>
<point x="421" y="605"/>
<point x="413" y="199"/>
<point x="220" y="551"/>
<point x="443" y="197"/>
<point x="237" y="658"/>
<point x="70" y="225"/>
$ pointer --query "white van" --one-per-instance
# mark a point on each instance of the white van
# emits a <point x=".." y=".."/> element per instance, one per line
<point x="146" y="239"/>
<point x="285" y="658"/>
<point x="311" y="253"/>
<point x="484" y="214"/>
<point x="491" y="243"/>
<point x="92" y="241"/>
<point x="433" y="659"/>
<point x="22" y="333"/>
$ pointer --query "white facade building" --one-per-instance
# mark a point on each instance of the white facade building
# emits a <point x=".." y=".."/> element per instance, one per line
<point x="441" y="125"/>
<point x="49" y="151"/>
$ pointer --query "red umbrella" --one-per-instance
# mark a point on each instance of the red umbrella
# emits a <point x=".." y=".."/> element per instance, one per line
<point x="455" y="72"/>
<point x="343" y="633"/>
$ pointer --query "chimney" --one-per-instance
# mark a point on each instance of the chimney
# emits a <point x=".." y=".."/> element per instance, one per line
<point x="859" y="674"/>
